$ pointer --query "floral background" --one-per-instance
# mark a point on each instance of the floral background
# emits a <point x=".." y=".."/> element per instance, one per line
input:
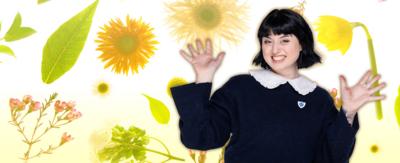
<point x="111" y="62"/>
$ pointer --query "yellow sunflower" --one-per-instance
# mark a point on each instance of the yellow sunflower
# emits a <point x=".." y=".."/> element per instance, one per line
<point x="214" y="19"/>
<point x="176" y="81"/>
<point x="335" y="33"/>
<point x="126" y="47"/>
<point x="102" y="88"/>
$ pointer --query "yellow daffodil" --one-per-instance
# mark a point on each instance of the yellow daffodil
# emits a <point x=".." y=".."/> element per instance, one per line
<point x="214" y="19"/>
<point x="335" y="33"/>
<point x="126" y="47"/>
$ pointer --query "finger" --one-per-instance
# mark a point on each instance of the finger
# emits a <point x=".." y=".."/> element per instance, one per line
<point x="199" y="46"/>
<point x="186" y="56"/>
<point x="375" y="79"/>
<point x="209" y="47"/>
<point x="220" y="57"/>
<point x="192" y="50"/>
<point x="343" y="83"/>
<point x="377" y="88"/>
<point x="364" y="78"/>
<point x="376" y="98"/>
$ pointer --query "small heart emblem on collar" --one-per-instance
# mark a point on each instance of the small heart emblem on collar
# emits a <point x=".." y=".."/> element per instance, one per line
<point x="301" y="104"/>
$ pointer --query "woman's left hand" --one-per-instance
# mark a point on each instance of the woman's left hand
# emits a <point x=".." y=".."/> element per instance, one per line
<point x="353" y="98"/>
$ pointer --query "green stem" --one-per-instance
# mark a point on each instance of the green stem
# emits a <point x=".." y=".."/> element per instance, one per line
<point x="30" y="143"/>
<point x="166" y="155"/>
<point x="20" y="129"/>
<point x="378" y="104"/>
<point x="165" y="147"/>
<point x="37" y="125"/>
<point x="48" y="151"/>
<point x="160" y="153"/>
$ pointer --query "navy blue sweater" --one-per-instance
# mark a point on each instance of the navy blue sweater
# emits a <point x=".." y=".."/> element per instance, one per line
<point x="264" y="125"/>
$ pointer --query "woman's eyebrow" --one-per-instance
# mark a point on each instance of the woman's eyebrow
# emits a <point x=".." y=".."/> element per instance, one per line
<point x="286" y="35"/>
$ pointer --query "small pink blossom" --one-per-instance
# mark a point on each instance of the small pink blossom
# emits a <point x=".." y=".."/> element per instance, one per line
<point x="60" y="106"/>
<point x="27" y="99"/>
<point x="16" y="104"/>
<point x="65" y="138"/>
<point x="34" y="106"/>
<point x="73" y="114"/>
<point x="70" y="105"/>
<point x="13" y="103"/>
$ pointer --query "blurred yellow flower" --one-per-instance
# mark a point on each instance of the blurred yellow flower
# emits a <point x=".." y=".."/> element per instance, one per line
<point x="337" y="99"/>
<point x="102" y="88"/>
<point x="299" y="8"/>
<point x="335" y="33"/>
<point x="374" y="148"/>
<point x="126" y="47"/>
<point x="176" y="81"/>
<point x="214" y="19"/>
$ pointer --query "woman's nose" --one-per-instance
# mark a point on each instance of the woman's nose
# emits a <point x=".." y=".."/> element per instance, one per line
<point x="275" y="48"/>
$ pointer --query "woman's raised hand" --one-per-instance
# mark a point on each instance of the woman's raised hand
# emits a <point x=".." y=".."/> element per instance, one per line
<point x="202" y="60"/>
<point x="363" y="92"/>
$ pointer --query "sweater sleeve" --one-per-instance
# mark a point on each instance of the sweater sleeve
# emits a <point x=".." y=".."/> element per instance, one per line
<point x="205" y="123"/>
<point x="338" y="139"/>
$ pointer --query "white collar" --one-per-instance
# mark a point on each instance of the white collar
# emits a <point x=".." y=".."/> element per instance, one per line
<point x="270" y="80"/>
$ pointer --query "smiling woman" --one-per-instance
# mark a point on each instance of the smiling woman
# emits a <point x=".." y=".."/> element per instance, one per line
<point x="273" y="114"/>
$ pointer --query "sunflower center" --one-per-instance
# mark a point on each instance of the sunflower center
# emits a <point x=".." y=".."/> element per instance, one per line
<point x="207" y="16"/>
<point x="127" y="44"/>
<point x="102" y="88"/>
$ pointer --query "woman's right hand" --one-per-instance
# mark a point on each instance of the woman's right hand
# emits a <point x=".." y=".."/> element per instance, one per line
<point x="202" y="60"/>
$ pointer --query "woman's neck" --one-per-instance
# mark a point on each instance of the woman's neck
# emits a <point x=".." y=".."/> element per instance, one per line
<point x="293" y="74"/>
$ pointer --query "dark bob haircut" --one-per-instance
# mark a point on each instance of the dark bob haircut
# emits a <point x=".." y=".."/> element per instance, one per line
<point x="286" y="21"/>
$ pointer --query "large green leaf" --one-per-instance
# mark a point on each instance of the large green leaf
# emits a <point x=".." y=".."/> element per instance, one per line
<point x="17" y="32"/>
<point x="159" y="111"/>
<point x="42" y="1"/>
<point x="6" y="50"/>
<point x="64" y="46"/>
<point x="397" y="108"/>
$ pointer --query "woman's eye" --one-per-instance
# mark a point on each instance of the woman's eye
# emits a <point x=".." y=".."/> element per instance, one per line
<point x="267" y="41"/>
<point x="285" y="41"/>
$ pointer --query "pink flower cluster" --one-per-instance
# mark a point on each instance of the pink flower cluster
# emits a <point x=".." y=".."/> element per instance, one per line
<point x="18" y="105"/>
<point x="69" y="108"/>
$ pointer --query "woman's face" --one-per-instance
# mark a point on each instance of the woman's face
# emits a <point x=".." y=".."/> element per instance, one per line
<point x="281" y="52"/>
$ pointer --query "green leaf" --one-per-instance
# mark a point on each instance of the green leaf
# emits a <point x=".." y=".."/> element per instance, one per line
<point x="16" y="32"/>
<point x="64" y="46"/>
<point x="397" y="108"/>
<point x="0" y="27"/>
<point x="125" y="144"/>
<point x="159" y="111"/>
<point x="42" y="1"/>
<point x="6" y="50"/>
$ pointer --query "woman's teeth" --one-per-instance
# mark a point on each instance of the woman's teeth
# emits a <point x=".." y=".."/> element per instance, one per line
<point x="278" y="58"/>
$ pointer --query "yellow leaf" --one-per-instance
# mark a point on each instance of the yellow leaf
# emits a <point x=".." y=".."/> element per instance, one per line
<point x="159" y="111"/>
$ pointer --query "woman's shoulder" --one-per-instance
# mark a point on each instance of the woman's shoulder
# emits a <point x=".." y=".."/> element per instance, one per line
<point x="240" y="79"/>
<point x="321" y="93"/>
